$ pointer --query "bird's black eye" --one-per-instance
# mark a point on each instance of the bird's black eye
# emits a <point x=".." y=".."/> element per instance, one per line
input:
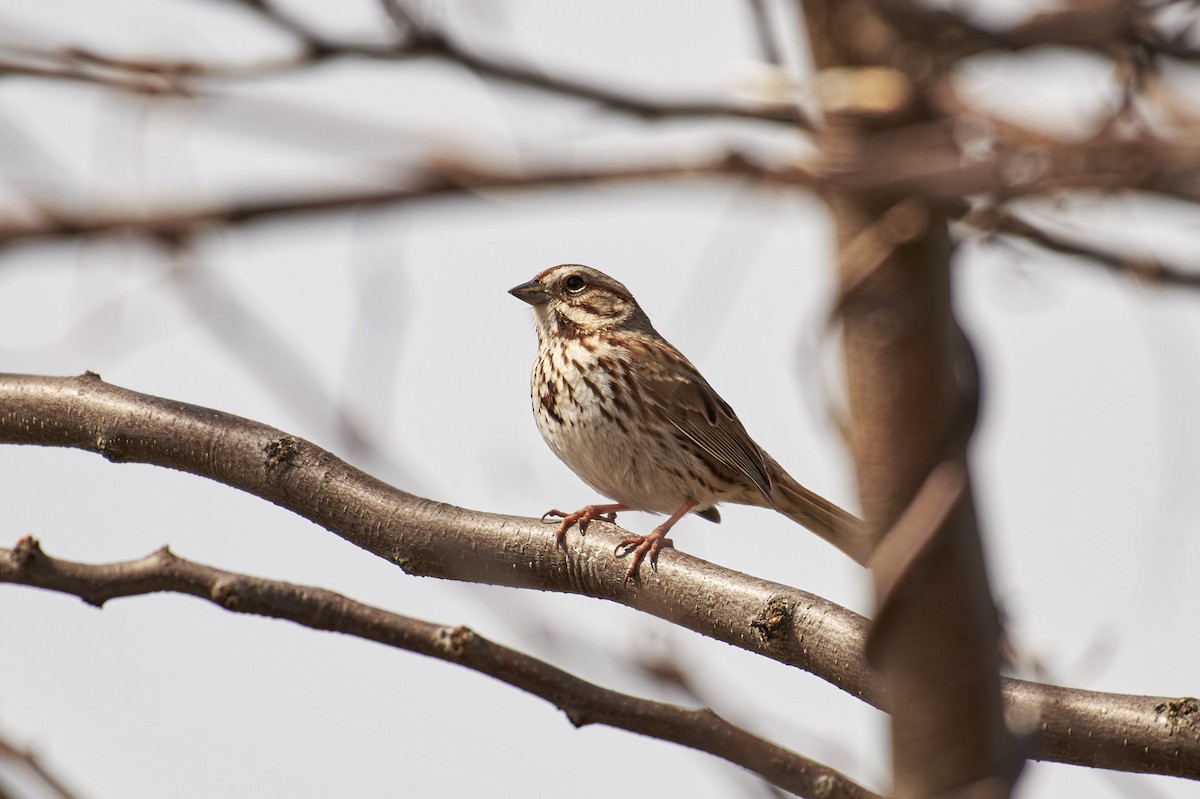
<point x="574" y="284"/>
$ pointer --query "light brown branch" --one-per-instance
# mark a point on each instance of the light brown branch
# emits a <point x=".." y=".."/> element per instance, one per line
<point x="1124" y="732"/>
<point x="61" y="67"/>
<point x="48" y="784"/>
<point x="582" y="702"/>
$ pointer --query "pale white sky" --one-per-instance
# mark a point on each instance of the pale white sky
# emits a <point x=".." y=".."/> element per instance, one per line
<point x="1083" y="461"/>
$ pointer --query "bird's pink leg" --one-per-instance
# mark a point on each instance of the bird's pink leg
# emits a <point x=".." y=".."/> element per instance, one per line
<point x="643" y="545"/>
<point x="605" y="513"/>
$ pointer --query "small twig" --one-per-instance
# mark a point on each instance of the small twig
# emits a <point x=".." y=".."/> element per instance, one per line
<point x="432" y="43"/>
<point x="52" y="787"/>
<point x="276" y="365"/>
<point x="897" y="560"/>
<point x="61" y="67"/>
<point x="996" y="220"/>
<point x="765" y="32"/>
<point x="161" y="76"/>
<point x="1108" y="27"/>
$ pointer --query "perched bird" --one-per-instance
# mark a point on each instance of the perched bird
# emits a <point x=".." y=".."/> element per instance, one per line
<point x="639" y="424"/>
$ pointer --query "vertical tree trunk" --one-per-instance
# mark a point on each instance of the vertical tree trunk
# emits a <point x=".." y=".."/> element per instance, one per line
<point x="912" y="399"/>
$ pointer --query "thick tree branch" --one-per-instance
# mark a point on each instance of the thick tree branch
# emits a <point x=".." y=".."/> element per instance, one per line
<point x="424" y="537"/>
<point x="1129" y="733"/>
<point x="581" y="701"/>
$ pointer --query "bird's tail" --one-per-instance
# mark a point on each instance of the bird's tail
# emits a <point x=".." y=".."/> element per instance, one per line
<point x="839" y="527"/>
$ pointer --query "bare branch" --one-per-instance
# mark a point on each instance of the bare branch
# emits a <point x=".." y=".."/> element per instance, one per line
<point x="440" y="177"/>
<point x="582" y="702"/>
<point x="277" y="366"/>
<point x="161" y="76"/>
<point x="922" y="160"/>
<point x="1129" y="733"/>
<point x="994" y="220"/>
<point x="426" y="40"/>
<point x="49" y="784"/>
<point x="1108" y="27"/>
<point x="60" y="66"/>
<point x="424" y="537"/>
<point x="765" y="32"/>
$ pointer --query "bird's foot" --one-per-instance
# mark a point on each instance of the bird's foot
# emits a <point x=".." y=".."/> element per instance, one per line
<point x="582" y="517"/>
<point x="641" y="546"/>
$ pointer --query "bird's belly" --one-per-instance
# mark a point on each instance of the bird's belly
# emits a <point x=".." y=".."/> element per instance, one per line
<point x="643" y="471"/>
<point x="609" y="464"/>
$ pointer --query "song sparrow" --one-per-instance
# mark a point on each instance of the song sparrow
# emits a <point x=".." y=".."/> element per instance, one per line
<point x="635" y="420"/>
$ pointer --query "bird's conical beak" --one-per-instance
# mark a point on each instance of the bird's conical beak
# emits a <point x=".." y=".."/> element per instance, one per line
<point x="532" y="292"/>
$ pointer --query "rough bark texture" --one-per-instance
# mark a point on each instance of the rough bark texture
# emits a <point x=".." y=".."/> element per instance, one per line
<point x="1131" y="733"/>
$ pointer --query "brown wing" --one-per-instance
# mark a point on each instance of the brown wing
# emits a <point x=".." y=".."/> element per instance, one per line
<point x="674" y="389"/>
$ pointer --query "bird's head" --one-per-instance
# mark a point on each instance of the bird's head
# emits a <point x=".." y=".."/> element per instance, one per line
<point x="572" y="300"/>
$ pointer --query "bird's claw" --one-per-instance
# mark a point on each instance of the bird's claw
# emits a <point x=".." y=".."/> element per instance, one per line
<point x="582" y="517"/>
<point x="641" y="546"/>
